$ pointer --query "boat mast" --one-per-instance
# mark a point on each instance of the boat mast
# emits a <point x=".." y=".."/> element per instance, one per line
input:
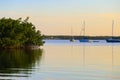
<point x="84" y="28"/>
<point x="112" y="28"/>
<point x="71" y="33"/>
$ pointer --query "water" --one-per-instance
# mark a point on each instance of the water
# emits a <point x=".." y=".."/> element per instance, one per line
<point x="62" y="60"/>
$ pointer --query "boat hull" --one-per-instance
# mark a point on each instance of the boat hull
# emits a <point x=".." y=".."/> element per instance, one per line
<point x="72" y="40"/>
<point x="113" y="40"/>
<point x="84" y="40"/>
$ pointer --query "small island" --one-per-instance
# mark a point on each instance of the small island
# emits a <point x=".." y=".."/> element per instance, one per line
<point x="18" y="33"/>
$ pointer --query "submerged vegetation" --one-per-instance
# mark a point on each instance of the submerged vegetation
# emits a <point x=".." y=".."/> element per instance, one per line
<point x="18" y="33"/>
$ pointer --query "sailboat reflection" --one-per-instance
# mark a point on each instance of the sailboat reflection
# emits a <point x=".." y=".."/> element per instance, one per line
<point x="94" y="56"/>
<point x="112" y="55"/>
<point x="84" y="54"/>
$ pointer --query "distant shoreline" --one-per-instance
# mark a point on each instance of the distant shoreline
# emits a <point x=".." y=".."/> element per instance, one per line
<point x="79" y="37"/>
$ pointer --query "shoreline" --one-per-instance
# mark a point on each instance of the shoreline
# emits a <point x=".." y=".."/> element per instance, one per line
<point x="62" y="37"/>
<point x="22" y="47"/>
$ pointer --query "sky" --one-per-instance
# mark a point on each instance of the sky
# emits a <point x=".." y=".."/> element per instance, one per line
<point x="58" y="17"/>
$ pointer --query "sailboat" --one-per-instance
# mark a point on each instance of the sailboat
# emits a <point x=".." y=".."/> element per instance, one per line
<point x="112" y="40"/>
<point x="84" y="38"/>
<point x="72" y="38"/>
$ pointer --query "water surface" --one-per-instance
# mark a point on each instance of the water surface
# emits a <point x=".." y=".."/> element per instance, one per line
<point x="63" y="60"/>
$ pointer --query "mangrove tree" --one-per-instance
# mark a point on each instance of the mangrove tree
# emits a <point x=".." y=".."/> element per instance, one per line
<point x="18" y="33"/>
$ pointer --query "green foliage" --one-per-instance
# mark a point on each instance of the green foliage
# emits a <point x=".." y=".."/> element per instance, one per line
<point x="18" y="33"/>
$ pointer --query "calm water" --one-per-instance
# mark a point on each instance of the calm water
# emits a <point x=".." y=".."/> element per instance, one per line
<point x="62" y="60"/>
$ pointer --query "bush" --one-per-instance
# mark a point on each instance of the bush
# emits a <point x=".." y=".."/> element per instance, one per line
<point x="18" y="33"/>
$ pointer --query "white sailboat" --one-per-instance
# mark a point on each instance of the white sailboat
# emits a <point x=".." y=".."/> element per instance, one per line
<point x="84" y="38"/>
<point x="112" y="40"/>
<point x="72" y="37"/>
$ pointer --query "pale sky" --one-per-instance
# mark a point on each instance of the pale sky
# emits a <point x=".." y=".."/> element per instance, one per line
<point x="56" y="17"/>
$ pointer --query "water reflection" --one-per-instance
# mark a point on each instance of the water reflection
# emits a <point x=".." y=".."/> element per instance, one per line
<point x="16" y="62"/>
<point x="112" y="55"/>
<point x="86" y="62"/>
<point x="83" y="55"/>
<point x="100" y="56"/>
